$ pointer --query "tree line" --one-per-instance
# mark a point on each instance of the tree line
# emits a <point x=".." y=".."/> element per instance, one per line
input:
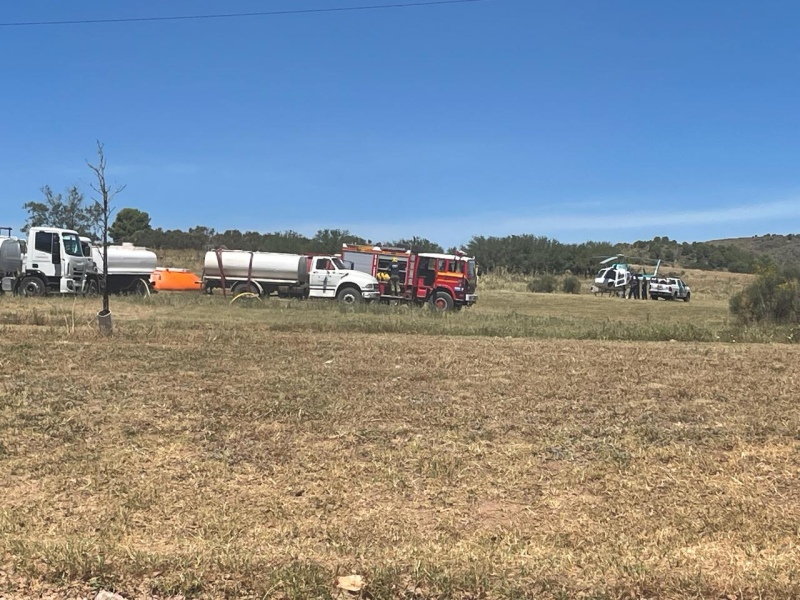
<point x="524" y="254"/>
<point x="539" y="255"/>
<point x="328" y="241"/>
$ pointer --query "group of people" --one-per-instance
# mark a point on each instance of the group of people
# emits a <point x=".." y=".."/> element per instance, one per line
<point x="638" y="287"/>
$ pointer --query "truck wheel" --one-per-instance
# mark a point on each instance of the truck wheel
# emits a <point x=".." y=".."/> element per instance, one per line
<point x="245" y="288"/>
<point x="349" y="295"/>
<point x="689" y="295"/>
<point x="142" y="288"/>
<point x="91" y="288"/>
<point x="32" y="286"/>
<point x="442" y="301"/>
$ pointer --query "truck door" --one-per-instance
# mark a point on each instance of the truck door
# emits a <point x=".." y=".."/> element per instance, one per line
<point x="324" y="278"/>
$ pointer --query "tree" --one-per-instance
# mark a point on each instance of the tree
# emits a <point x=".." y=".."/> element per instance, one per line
<point x="773" y="296"/>
<point x="69" y="213"/>
<point x="331" y="240"/>
<point x="128" y="223"/>
<point x="106" y="196"/>
<point x="420" y="243"/>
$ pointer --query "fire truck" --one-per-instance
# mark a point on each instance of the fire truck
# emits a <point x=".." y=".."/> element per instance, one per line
<point x="445" y="281"/>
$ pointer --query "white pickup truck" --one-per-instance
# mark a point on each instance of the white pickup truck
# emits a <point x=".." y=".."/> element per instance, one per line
<point x="669" y="288"/>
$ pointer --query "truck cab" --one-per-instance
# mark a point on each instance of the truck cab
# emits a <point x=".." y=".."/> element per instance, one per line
<point x="51" y="260"/>
<point x="452" y="275"/>
<point x="330" y="277"/>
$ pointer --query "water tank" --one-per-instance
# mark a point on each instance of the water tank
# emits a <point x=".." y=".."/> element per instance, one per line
<point x="10" y="256"/>
<point x="266" y="266"/>
<point x="126" y="259"/>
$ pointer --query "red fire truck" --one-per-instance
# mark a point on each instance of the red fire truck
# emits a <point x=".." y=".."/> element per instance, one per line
<point x="446" y="281"/>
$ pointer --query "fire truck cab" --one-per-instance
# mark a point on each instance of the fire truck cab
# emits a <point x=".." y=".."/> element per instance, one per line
<point x="446" y="281"/>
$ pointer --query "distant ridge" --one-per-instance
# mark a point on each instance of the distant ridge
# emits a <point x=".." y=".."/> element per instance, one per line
<point x="781" y="248"/>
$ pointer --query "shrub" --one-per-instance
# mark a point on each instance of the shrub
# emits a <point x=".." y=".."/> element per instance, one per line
<point x="546" y="284"/>
<point x="571" y="285"/>
<point x="774" y="296"/>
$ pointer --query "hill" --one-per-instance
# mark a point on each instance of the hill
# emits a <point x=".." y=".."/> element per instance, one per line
<point x="781" y="248"/>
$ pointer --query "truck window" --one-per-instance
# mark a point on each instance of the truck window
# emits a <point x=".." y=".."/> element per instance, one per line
<point x="457" y="266"/>
<point x="44" y="242"/>
<point x="324" y="264"/>
<point x="72" y="244"/>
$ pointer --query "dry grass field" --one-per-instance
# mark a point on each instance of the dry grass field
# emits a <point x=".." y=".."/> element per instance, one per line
<point x="513" y="450"/>
<point x="718" y="285"/>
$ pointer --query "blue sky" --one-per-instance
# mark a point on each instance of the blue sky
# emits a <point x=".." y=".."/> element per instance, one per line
<point x="616" y="120"/>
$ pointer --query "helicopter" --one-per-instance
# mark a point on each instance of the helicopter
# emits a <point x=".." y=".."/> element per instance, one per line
<point x="616" y="277"/>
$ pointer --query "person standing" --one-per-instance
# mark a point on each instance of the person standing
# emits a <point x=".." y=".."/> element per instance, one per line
<point x="394" y="277"/>
<point x="634" y="290"/>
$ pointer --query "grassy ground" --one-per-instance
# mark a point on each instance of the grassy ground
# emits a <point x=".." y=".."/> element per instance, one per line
<point x="500" y="313"/>
<point x="717" y="285"/>
<point x="214" y="451"/>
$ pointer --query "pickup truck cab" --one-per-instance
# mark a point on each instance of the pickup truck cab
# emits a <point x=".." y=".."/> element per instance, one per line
<point x="670" y="288"/>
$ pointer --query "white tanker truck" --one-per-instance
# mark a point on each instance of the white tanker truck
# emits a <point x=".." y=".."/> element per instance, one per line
<point x="49" y="261"/>
<point x="129" y="268"/>
<point x="288" y="275"/>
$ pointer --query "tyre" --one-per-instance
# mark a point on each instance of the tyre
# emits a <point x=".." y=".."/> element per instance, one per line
<point x="32" y="286"/>
<point x="442" y="301"/>
<point x="244" y="287"/>
<point x="349" y="295"/>
<point x="689" y="295"/>
<point x="141" y="287"/>
<point x="92" y="288"/>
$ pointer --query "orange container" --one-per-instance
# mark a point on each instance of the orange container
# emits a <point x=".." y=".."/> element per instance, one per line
<point x="175" y="280"/>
